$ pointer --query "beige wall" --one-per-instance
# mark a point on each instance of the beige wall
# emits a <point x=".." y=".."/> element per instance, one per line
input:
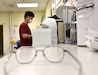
<point x="49" y="8"/>
<point x="18" y="17"/>
<point x="4" y="20"/>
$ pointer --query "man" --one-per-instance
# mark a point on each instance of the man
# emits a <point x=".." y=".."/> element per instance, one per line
<point x="24" y="30"/>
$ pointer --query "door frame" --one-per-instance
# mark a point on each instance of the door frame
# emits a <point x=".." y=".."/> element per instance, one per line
<point x="2" y="39"/>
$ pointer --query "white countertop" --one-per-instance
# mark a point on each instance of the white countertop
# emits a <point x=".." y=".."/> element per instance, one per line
<point x="40" y="66"/>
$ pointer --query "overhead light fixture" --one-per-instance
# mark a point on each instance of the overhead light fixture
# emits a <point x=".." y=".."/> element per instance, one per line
<point x="24" y="5"/>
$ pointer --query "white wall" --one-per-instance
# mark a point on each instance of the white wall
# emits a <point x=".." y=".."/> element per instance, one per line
<point x="90" y="20"/>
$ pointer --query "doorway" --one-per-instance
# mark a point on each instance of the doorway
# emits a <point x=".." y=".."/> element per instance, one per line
<point x="1" y="40"/>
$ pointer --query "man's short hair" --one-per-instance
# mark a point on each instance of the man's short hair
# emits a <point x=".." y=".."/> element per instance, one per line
<point x="29" y="13"/>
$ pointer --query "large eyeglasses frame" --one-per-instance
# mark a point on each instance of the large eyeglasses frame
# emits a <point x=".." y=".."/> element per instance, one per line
<point x="14" y="52"/>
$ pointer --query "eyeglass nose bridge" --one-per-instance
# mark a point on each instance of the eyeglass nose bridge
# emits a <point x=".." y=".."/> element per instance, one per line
<point x="41" y="50"/>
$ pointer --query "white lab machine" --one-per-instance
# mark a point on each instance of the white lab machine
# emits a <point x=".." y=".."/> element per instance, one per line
<point x="45" y="34"/>
<point x="51" y="23"/>
<point x="91" y="39"/>
<point x="41" y="37"/>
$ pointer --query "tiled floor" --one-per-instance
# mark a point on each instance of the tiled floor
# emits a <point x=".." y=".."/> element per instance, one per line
<point x="68" y="66"/>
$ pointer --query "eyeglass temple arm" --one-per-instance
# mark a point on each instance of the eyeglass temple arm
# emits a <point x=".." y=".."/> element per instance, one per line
<point x="6" y="62"/>
<point x="80" y="66"/>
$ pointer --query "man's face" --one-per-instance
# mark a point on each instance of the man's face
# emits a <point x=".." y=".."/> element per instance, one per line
<point x="29" y="19"/>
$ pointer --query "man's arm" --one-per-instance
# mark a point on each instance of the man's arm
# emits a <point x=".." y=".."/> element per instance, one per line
<point x="26" y="36"/>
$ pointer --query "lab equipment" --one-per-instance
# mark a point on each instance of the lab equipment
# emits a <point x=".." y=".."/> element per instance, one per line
<point x="91" y="39"/>
<point x="41" y="37"/>
<point x="53" y="54"/>
<point x="51" y="23"/>
<point x="59" y="11"/>
<point x="89" y="5"/>
<point x="17" y="44"/>
<point x="66" y="19"/>
<point x="73" y="29"/>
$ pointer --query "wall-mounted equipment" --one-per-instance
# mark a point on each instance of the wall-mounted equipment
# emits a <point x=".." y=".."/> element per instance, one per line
<point x="89" y="5"/>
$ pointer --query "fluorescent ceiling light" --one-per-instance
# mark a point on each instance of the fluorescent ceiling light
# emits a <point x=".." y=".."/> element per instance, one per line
<point x="23" y="5"/>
